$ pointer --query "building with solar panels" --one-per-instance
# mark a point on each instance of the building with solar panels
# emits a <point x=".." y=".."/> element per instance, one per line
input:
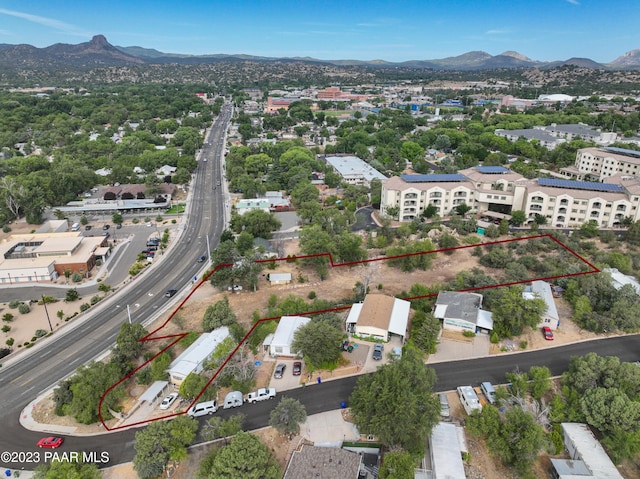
<point x="564" y="203"/>
<point x="600" y="163"/>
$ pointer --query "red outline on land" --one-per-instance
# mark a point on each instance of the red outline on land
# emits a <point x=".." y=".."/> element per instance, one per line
<point x="178" y="337"/>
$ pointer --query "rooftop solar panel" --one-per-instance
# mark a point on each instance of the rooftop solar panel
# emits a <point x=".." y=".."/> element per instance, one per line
<point x="433" y="178"/>
<point x="623" y="151"/>
<point x="579" y="185"/>
<point x="492" y="169"/>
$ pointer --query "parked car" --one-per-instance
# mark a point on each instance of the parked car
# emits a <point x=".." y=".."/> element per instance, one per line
<point x="50" y="442"/>
<point x="202" y="259"/>
<point x="261" y="394"/>
<point x="377" y="351"/>
<point x="170" y="292"/>
<point x="106" y="227"/>
<point x="168" y="401"/>
<point x="489" y="391"/>
<point x="297" y="368"/>
<point x="344" y="345"/>
<point x="87" y="228"/>
<point x="118" y="226"/>
<point x="279" y="372"/>
<point x="202" y="409"/>
<point x="548" y="334"/>
<point x="444" y="405"/>
<point x="235" y="287"/>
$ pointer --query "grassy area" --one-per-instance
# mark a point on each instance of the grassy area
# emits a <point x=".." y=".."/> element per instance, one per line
<point x="337" y="112"/>
<point x="176" y="209"/>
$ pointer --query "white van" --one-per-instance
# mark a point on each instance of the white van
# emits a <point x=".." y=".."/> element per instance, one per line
<point x="233" y="399"/>
<point x="469" y="399"/>
<point x="75" y="227"/>
<point x="202" y="409"/>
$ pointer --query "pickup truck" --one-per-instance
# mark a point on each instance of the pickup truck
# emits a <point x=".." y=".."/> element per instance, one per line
<point x="261" y="394"/>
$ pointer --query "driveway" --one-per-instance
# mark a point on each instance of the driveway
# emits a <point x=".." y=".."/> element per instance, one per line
<point x="452" y="350"/>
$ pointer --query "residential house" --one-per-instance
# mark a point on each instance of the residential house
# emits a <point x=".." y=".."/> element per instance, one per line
<point x="379" y="317"/>
<point x="463" y="312"/>
<point x="279" y="344"/>
<point x="542" y="290"/>
<point x="446" y="445"/>
<point x="323" y="463"/>
<point x="279" y="278"/>
<point x="193" y="358"/>
<point x="588" y="459"/>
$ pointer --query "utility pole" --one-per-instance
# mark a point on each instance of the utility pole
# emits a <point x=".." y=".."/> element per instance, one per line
<point x="44" y="303"/>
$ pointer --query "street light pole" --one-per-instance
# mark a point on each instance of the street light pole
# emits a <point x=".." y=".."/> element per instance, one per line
<point x="44" y="303"/>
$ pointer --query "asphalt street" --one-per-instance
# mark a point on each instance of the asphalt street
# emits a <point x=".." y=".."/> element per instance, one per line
<point x="58" y="356"/>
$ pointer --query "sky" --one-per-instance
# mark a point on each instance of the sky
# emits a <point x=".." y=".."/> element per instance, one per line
<point x="398" y="30"/>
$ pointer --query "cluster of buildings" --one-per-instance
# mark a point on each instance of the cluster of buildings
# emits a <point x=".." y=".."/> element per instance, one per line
<point x="553" y="135"/>
<point x="563" y="202"/>
<point x="45" y="255"/>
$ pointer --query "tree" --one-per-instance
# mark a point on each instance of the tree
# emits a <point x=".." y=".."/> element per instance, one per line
<point x="88" y="385"/>
<point x="425" y="330"/>
<point x="540" y="382"/>
<point x="216" y="427"/>
<point x="192" y="385"/>
<point x="117" y="219"/>
<point x="462" y="209"/>
<point x="397" y="465"/>
<point x="72" y="294"/>
<point x="217" y="315"/>
<point x="518" y="217"/>
<point x="128" y="340"/>
<point x="60" y="469"/>
<point x="244" y="457"/>
<point x="512" y="312"/>
<point x="319" y="342"/>
<point x="374" y="403"/>
<point x="161" y="441"/>
<point x="287" y="416"/>
<point x="257" y="222"/>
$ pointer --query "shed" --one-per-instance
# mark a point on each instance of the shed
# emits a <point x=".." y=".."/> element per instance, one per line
<point x="153" y="392"/>
<point x="193" y="358"/>
<point x="283" y="337"/>
<point x="279" y="278"/>
<point x="379" y="316"/>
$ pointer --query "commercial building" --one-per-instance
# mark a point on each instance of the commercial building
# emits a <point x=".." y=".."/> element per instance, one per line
<point x="353" y="170"/>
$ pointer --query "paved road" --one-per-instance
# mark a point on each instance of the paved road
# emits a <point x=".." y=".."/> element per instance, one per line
<point x="61" y="354"/>
<point x="329" y="395"/>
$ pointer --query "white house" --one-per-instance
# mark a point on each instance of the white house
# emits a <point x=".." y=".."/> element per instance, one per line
<point x="280" y="343"/>
<point x="588" y="459"/>
<point x="463" y="312"/>
<point x="446" y="445"/>
<point x="193" y="358"/>
<point x="379" y="316"/>
<point x="542" y="290"/>
<point x="618" y="279"/>
<point x="279" y="278"/>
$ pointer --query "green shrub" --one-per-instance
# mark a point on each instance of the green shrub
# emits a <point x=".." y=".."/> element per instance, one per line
<point x="24" y="308"/>
<point x="469" y="334"/>
<point x="523" y="344"/>
<point x="40" y="333"/>
<point x="7" y="317"/>
<point x="94" y="299"/>
<point x="6" y="328"/>
<point x="14" y="304"/>
<point x="380" y="286"/>
<point x="76" y="277"/>
<point x="10" y="341"/>
<point x="494" y="338"/>
<point x="135" y="221"/>
<point x="84" y="306"/>
<point x="311" y="295"/>
<point x="6" y="229"/>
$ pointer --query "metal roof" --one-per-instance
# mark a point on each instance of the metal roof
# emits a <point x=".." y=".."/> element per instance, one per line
<point x="622" y="151"/>
<point x="434" y="178"/>
<point x="492" y="170"/>
<point x="580" y="185"/>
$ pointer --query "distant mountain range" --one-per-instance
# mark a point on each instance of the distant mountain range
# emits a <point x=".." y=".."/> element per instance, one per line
<point x="99" y="52"/>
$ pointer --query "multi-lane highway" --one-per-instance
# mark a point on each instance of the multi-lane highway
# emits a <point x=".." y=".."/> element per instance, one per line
<point x="21" y="381"/>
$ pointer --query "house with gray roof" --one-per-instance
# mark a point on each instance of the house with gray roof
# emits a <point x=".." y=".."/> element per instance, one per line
<point x="542" y="137"/>
<point x="462" y="312"/>
<point x="323" y="463"/>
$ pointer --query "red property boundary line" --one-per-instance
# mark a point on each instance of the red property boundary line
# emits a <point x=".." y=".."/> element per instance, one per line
<point x="177" y="337"/>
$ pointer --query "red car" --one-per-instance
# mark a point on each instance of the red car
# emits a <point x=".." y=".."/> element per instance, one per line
<point x="50" y="442"/>
<point x="548" y="334"/>
<point x="297" y="368"/>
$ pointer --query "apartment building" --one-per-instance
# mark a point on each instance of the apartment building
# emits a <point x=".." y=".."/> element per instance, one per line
<point x="564" y="203"/>
<point x="601" y="163"/>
